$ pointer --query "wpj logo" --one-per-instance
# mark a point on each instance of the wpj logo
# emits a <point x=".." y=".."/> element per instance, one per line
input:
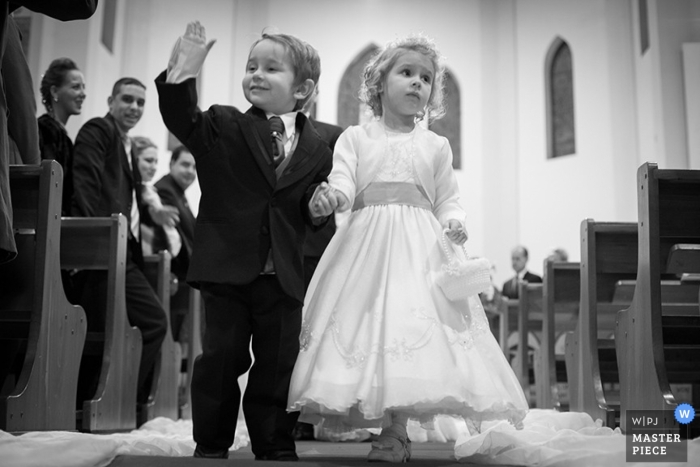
<point x="684" y="413"/>
<point x="654" y="437"/>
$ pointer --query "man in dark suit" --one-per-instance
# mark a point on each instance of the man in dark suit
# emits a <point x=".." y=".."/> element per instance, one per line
<point x="519" y="257"/>
<point x="17" y="99"/>
<point x="171" y="189"/>
<point x="257" y="178"/>
<point x="106" y="180"/>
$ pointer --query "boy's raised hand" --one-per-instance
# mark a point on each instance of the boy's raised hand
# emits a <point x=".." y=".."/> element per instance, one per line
<point x="188" y="54"/>
<point x="196" y="33"/>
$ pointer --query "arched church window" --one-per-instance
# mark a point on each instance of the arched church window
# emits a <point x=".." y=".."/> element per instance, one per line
<point x="350" y="110"/>
<point x="450" y="125"/>
<point x="559" y="82"/>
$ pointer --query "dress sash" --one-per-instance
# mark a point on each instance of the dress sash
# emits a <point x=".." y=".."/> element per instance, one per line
<point x="382" y="193"/>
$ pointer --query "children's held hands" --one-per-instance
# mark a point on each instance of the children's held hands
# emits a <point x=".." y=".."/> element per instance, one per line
<point x="324" y="201"/>
<point x="456" y="232"/>
<point x="196" y="33"/>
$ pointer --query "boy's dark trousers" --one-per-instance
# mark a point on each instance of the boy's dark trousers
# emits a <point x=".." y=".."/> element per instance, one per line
<point x="234" y="314"/>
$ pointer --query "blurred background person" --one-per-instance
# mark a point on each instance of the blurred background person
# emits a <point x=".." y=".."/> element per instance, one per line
<point x="518" y="258"/>
<point x="171" y="188"/>
<point x="157" y="220"/>
<point x="558" y="254"/>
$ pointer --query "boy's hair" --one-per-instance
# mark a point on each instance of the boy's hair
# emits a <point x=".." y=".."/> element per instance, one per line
<point x="55" y="75"/>
<point x="141" y="143"/>
<point x="305" y="61"/>
<point x="125" y="82"/>
<point x="376" y="70"/>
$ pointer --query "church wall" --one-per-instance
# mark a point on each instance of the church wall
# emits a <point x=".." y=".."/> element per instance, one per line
<point x="555" y="195"/>
<point x="661" y="90"/>
<point x="500" y="221"/>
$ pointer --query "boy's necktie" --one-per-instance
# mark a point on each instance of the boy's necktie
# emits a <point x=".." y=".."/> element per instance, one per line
<point x="277" y="131"/>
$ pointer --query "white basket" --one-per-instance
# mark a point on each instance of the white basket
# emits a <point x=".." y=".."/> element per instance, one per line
<point x="459" y="278"/>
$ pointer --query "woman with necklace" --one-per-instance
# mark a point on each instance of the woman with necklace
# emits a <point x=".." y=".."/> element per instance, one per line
<point x="62" y="93"/>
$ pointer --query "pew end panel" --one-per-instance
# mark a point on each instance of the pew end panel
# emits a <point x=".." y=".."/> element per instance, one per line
<point x="560" y="301"/>
<point x="35" y="315"/>
<point x="529" y="323"/>
<point x="193" y="321"/>
<point x="99" y="244"/>
<point x="608" y="256"/>
<point x="652" y="351"/>
<point x="163" y="397"/>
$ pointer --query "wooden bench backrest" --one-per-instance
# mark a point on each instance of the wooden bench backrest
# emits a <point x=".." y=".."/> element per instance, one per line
<point x="33" y="306"/>
<point x="608" y="256"/>
<point x="529" y="320"/>
<point x="163" y="397"/>
<point x="561" y="295"/>
<point x="23" y="280"/>
<point x="669" y="214"/>
<point x="99" y="243"/>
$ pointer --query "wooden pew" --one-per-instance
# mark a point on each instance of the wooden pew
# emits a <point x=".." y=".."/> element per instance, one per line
<point x="529" y="321"/>
<point x="657" y="347"/>
<point x="34" y="312"/>
<point x="507" y="310"/>
<point x="99" y="243"/>
<point x="608" y="256"/>
<point x="163" y="398"/>
<point x="193" y="321"/>
<point x="506" y="317"/>
<point x="561" y="294"/>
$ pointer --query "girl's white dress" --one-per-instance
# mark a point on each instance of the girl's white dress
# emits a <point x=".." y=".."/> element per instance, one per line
<point x="377" y="332"/>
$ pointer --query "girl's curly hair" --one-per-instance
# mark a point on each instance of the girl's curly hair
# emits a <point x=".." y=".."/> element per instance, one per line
<point x="374" y="74"/>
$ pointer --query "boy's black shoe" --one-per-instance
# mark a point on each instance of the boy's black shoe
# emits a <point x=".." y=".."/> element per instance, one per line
<point x="207" y="453"/>
<point x="282" y="456"/>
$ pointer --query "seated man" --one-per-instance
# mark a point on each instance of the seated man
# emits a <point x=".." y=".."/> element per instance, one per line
<point x="519" y="258"/>
<point x="171" y="189"/>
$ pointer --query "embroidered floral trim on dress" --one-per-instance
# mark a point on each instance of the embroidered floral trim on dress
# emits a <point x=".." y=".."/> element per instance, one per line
<point x="399" y="349"/>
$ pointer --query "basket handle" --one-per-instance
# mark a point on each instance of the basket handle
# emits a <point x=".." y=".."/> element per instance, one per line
<point x="450" y="257"/>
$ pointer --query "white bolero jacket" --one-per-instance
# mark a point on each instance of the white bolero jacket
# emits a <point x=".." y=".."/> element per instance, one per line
<point x="359" y="153"/>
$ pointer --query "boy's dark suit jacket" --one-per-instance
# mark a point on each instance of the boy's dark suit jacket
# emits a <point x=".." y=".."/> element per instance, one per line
<point x="317" y="241"/>
<point x="172" y="194"/>
<point x="102" y="179"/>
<point x="244" y="210"/>
<point x="510" y="288"/>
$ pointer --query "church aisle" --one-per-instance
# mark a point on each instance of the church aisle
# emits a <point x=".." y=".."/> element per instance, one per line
<point x="311" y="454"/>
<point x="550" y="438"/>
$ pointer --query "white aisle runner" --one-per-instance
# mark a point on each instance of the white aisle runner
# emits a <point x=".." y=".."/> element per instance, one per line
<point x="549" y="439"/>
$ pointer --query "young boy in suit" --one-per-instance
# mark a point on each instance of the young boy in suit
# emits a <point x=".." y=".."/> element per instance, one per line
<point x="258" y="194"/>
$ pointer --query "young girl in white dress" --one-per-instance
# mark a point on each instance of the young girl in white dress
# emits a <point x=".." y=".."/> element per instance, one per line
<point x="380" y="342"/>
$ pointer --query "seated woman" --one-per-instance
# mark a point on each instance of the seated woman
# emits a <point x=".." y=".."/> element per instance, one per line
<point x="62" y="93"/>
